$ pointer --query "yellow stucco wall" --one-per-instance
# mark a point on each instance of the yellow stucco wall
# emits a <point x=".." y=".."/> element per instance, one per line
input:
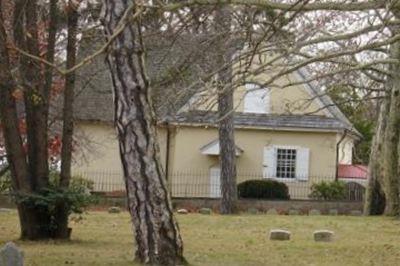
<point x="189" y="140"/>
<point x="283" y="99"/>
<point x="97" y="157"/>
<point x="190" y="168"/>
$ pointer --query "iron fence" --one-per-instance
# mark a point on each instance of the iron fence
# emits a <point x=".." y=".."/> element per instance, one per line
<point x="207" y="184"/>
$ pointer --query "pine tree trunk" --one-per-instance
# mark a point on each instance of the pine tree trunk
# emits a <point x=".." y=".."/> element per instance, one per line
<point x="226" y="125"/>
<point x="156" y="231"/>
<point x="391" y="142"/>
<point x="68" y="121"/>
<point x="374" y="203"/>
<point x="227" y="153"/>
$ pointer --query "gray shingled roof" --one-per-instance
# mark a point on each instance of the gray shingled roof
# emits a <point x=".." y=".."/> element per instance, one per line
<point x="263" y="120"/>
<point x="170" y="74"/>
<point x="172" y="65"/>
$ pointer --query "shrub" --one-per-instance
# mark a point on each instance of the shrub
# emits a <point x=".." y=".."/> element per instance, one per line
<point x="263" y="189"/>
<point x="332" y="190"/>
<point x="75" y="198"/>
<point x="5" y="183"/>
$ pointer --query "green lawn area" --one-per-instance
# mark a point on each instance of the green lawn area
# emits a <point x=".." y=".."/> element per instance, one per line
<point x="106" y="239"/>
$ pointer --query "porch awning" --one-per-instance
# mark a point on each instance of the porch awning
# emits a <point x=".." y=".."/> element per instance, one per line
<point x="212" y="148"/>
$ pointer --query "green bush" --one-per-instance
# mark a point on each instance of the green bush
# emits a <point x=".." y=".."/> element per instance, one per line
<point x="75" y="198"/>
<point x="328" y="190"/>
<point x="5" y="183"/>
<point x="263" y="189"/>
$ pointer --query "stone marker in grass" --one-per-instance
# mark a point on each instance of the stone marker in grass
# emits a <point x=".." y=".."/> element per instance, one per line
<point x="279" y="234"/>
<point x="114" y="209"/>
<point x="294" y="212"/>
<point x="355" y="213"/>
<point x="252" y="211"/>
<point x="5" y="210"/>
<point x="205" y="211"/>
<point x="272" y="212"/>
<point x="314" y="212"/>
<point x="333" y="212"/>
<point x="323" y="236"/>
<point x="183" y="211"/>
<point x="11" y="255"/>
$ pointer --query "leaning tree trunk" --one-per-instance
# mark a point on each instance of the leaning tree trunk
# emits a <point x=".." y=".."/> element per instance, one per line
<point x="374" y="203"/>
<point x="226" y="127"/>
<point x="156" y="231"/>
<point x="391" y="142"/>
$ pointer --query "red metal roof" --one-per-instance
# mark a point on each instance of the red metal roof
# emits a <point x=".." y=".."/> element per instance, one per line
<point x="357" y="171"/>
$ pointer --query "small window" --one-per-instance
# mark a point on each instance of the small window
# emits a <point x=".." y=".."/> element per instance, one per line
<point x="286" y="163"/>
<point x="256" y="99"/>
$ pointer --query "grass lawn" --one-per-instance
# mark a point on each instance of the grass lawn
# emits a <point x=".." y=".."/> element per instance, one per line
<point x="106" y="239"/>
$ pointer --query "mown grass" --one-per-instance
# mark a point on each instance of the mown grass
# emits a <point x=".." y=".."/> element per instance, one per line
<point x="106" y="239"/>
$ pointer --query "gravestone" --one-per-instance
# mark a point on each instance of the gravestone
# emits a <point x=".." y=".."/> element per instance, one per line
<point x="5" y="210"/>
<point x="114" y="209"/>
<point x="333" y="212"/>
<point x="323" y="236"/>
<point x="294" y="212"/>
<point x="252" y="211"/>
<point x="355" y="213"/>
<point x="11" y="255"/>
<point x="183" y="211"/>
<point x="205" y="211"/>
<point x="272" y="212"/>
<point x="314" y="212"/>
<point x="279" y="234"/>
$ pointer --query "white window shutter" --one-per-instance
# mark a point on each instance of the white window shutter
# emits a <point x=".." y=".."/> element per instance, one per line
<point x="302" y="163"/>
<point x="269" y="164"/>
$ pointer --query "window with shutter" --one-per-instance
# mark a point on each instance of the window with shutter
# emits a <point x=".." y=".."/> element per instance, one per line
<point x="286" y="162"/>
<point x="256" y="99"/>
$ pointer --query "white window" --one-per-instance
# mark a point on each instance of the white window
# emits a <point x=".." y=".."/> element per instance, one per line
<point x="256" y="99"/>
<point x="286" y="162"/>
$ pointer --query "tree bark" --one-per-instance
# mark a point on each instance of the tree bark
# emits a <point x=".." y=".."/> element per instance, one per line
<point x="391" y="142"/>
<point x="36" y="106"/>
<point x="156" y="231"/>
<point x="9" y="118"/>
<point x="374" y="203"/>
<point x="68" y="120"/>
<point x="226" y="127"/>
<point x="29" y="168"/>
<point x="16" y="156"/>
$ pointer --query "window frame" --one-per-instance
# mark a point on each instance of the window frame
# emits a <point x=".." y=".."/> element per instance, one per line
<point x="287" y="163"/>
<point x="252" y="91"/>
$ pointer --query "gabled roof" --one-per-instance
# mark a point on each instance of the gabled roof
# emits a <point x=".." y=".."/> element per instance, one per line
<point x="93" y="101"/>
<point x="324" y="99"/>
